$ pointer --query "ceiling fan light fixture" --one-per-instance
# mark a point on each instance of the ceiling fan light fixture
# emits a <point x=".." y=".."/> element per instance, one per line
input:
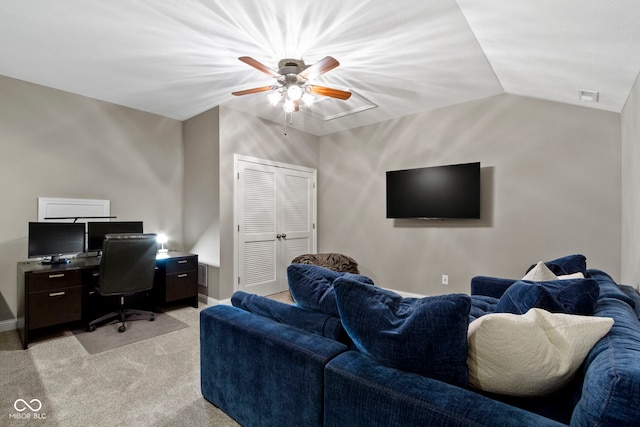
<point x="292" y="80"/>
<point x="274" y="98"/>
<point x="294" y="92"/>
<point x="289" y="106"/>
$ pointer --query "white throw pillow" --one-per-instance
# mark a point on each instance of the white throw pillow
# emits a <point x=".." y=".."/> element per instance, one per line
<point x="540" y="273"/>
<point x="577" y="275"/>
<point x="531" y="354"/>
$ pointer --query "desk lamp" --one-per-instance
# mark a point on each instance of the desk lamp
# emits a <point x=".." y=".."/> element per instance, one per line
<point x="162" y="239"/>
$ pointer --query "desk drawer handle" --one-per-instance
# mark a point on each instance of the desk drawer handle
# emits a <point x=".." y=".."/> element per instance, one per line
<point x="56" y="294"/>
<point x="184" y="261"/>
<point x="182" y="275"/>
<point x="56" y="276"/>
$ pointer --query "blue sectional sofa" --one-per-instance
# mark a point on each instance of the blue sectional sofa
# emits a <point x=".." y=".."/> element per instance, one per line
<point x="266" y="363"/>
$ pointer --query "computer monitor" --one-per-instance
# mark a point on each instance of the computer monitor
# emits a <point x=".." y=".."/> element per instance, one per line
<point x="97" y="230"/>
<point x="53" y="239"/>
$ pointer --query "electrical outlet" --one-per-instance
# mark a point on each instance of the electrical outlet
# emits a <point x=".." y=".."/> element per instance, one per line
<point x="445" y="279"/>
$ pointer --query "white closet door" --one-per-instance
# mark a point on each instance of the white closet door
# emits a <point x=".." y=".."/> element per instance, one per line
<point x="296" y="219"/>
<point x="275" y="216"/>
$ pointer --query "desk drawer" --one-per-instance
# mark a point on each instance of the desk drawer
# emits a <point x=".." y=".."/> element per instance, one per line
<point x="181" y="285"/>
<point x="54" y="307"/>
<point x="179" y="265"/>
<point x="51" y="280"/>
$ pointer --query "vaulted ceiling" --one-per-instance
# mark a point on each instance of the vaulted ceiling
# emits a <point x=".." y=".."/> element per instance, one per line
<point x="179" y="58"/>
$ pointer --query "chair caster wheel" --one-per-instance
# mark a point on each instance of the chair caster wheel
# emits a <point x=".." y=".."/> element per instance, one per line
<point x="91" y="328"/>
<point x="122" y="328"/>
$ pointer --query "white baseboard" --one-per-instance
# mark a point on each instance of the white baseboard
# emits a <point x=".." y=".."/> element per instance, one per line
<point x="8" y="325"/>
<point x="405" y="294"/>
<point x="205" y="299"/>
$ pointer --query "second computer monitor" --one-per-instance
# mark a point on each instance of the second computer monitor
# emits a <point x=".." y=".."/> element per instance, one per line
<point x="97" y="230"/>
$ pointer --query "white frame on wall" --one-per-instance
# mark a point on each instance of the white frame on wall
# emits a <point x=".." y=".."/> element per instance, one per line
<point x="53" y="207"/>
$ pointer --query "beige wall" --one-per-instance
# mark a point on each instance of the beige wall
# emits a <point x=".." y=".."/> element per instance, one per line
<point x="631" y="188"/>
<point x="201" y="220"/>
<point x="224" y="132"/>
<point x="550" y="187"/>
<point x="55" y="144"/>
<point x="551" y="182"/>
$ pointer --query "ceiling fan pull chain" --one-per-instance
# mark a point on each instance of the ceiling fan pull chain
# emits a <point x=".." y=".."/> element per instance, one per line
<point x="285" y="123"/>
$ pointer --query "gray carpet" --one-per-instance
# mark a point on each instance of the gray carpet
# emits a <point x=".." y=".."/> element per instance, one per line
<point x="139" y="328"/>
<point x="154" y="382"/>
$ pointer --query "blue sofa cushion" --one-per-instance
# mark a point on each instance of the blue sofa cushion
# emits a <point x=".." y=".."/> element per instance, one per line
<point x="317" y="323"/>
<point x="481" y="305"/>
<point x="609" y="288"/>
<point x="311" y="286"/>
<point x="362" y="393"/>
<point x="570" y="296"/>
<point x="427" y="336"/>
<point x="567" y="265"/>
<point x="490" y="286"/>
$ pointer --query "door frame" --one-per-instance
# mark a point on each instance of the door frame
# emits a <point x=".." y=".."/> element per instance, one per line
<point x="237" y="158"/>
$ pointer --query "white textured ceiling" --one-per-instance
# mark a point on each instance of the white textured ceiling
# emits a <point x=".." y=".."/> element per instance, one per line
<point x="178" y="58"/>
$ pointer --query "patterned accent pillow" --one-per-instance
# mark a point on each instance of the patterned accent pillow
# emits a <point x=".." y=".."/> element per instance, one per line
<point x="333" y="261"/>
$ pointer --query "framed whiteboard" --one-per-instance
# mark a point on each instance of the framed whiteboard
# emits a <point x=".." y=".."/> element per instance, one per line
<point x="50" y="207"/>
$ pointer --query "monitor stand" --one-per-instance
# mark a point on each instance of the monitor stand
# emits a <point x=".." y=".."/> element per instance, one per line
<point x="55" y="259"/>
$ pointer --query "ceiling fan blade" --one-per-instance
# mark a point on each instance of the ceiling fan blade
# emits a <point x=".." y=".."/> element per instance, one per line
<point x="327" y="63"/>
<point x="259" y="66"/>
<point x="254" y="90"/>
<point x="327" y="91"/>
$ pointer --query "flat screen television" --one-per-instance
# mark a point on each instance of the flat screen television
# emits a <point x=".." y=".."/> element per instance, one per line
<point x="97" y="230"/>
<point x="437" y="192"/>
<point x="54" y="239"/>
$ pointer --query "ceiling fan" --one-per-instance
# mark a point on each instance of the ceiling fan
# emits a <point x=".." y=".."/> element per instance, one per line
<point x="292" y="80"/>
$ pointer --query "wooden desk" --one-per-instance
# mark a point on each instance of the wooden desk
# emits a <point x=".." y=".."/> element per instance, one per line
<point x="50" y="295"/>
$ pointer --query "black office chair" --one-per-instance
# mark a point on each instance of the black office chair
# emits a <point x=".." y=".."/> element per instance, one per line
<point x="127" y="267"/>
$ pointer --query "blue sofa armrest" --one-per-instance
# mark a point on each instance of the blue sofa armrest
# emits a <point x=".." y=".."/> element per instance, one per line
<point x="490" y="286"/>
<point x="611" y="388"/>
<point x="260" y="372"/>
<point x="360" y="392"/>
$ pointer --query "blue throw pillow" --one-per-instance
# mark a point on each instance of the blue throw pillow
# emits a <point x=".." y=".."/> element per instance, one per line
<point x="311" y="321"/>
<point x="571" y="296"/>
<point x="311" y="286"/>
<point x="567" y="265"/>
<point x="427" y="336"/>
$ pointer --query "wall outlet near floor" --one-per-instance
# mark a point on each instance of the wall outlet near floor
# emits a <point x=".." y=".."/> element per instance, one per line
<point x="445" y="279"/>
